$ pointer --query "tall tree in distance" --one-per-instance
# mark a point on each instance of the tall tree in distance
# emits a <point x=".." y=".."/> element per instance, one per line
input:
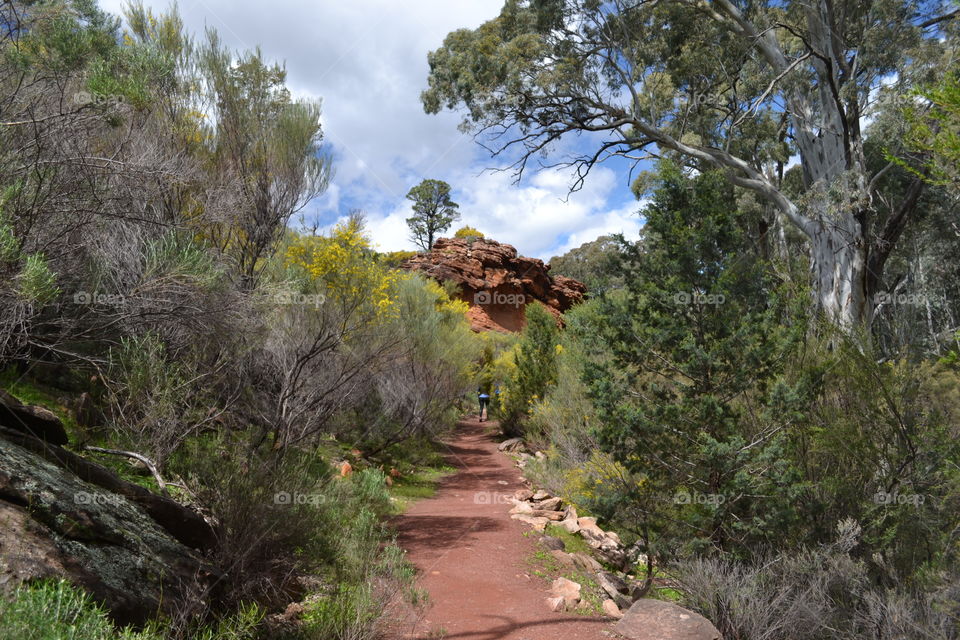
<point x="433" y="212"/>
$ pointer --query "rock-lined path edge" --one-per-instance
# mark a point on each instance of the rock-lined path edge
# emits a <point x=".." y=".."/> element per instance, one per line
<point x="472" y="558"/>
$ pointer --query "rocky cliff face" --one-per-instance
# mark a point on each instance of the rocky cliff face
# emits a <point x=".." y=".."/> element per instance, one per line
<point x="496" y="282"/>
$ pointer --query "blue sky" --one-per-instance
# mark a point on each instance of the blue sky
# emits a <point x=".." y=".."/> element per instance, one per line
<point x="367" y="61"/>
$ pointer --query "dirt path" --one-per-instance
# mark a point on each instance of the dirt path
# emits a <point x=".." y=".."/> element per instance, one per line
<point x="472" y="557"/>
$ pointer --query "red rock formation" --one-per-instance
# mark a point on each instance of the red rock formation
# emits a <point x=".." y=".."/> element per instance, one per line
<point x="496" y="282"/>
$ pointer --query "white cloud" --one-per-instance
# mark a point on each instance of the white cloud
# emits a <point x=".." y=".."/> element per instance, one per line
<point x="367" y="60"/>
<point x="532" y="217"/>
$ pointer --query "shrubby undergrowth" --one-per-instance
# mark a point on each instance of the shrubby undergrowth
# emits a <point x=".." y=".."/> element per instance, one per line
<point x="707" y="413"/>
<point x="152" y="273"/>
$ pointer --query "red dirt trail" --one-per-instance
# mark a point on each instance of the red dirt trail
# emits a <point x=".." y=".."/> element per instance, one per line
<point x="472" y="558"/>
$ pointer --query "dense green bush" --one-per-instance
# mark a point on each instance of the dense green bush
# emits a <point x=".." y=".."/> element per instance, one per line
<point x="704" y="413"/>
<point x="54" y="610"/>
<point x="535" y="360"/>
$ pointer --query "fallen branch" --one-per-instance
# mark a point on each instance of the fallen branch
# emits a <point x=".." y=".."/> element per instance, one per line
<point x="184" y="524"/>
<point x="139" y="457"/>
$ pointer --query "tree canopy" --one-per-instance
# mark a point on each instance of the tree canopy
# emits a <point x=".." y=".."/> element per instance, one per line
<point x="796" y="81"/>
<point x="433" y="212"/>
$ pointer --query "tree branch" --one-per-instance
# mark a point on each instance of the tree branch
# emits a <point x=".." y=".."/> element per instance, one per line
<point x="140" y="458"/>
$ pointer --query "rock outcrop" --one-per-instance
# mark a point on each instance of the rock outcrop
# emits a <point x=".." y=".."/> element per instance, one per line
<point x="64" y="516"/>
<point x="649" y="619"/>
<point x="496" y="282"/>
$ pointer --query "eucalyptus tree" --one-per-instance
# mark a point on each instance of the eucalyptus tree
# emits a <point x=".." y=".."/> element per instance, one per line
<point x="750" y="88"/>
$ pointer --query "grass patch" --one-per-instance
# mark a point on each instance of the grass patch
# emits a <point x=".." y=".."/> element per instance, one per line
<point x="543" y="565"/>
<point x="418" y="485"/>
<point x="661" y="588"/>
<point x="31" y="392"/>
<point x="55" y="610"/>
<point x="419" y="465"/>
<point x="573" y="543"/>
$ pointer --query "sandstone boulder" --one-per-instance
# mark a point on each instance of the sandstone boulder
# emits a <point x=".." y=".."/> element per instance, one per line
<point x="539" y="524"/>
<point x="569" y="522"/>
<point x="550" y="504"/>
<point x="184" y="524"/>
<point x="612" y="583"/>
<point x="569" y="525"/>
<point x="523" y="494"/>
<point x="549" y="515"/>
<point x="510" y="445"/>
<point x="589" y="528"/>
<point x="611" y="609"/>
<point x="585" y="563"/>
<point x="555" y="603"/>
<point x="649" y="619"/>
<point x="496" y="282"/>
<point x="520" y="506"/>
<point x="568" y="590"/>
<point x="616" y="588"/>
<point x="564" y="558"/>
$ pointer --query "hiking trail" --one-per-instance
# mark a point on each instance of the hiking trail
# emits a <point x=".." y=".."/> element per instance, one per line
<point x="472" y="558"/>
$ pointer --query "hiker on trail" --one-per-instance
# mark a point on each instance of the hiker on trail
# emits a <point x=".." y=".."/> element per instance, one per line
<point x="484" y="399"/>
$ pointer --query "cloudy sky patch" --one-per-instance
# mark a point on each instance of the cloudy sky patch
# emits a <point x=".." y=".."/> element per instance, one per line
<point x="367" y="61"/>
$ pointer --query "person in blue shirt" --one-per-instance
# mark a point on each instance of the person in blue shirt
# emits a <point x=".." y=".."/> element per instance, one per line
<point x="484" y="399"/>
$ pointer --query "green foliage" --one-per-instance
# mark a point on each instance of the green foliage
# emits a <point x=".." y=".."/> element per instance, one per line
<point x="155" y="399"/>
<point x="495" y="366"/>
<point x="536" y="368"/>
<point x="818" y="593"/>
<point x="175" y="258"/>
<point x="55" y="610"/>
<point x="592" y="263"/>
<point x="267" y="141"/>
<point x="699" y="339"/>
<point x="9" y="245"/>
<point x="715" y="424"/>
<point x="647" y="76"/>
<point x="433" y="212"/>
<point x="37" y="283"/>
<point x="355" y="611"/>
<point x="565" y="418"/>
<point x="874" y="441"/>
<point x="417" y="393"/>
<point x="64" y="36"/>
<point x="168" y="176"/>
<point x="270" y="508"/>
<point x="394" y="259"/>
<point x="934" y="133"/>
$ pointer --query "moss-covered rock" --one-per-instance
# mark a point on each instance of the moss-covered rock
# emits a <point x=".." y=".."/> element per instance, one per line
<point x="53" y="523"/>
